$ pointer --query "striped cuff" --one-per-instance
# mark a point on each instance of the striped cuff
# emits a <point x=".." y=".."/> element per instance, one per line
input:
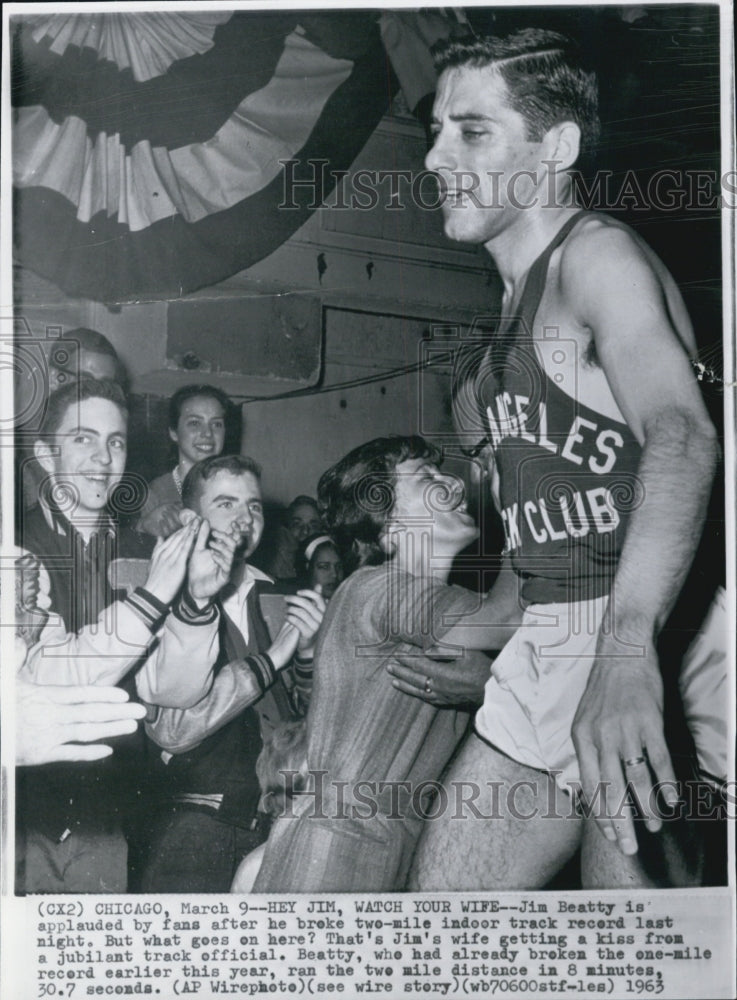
<point x="186" y="611"/>
<point x="263" y="669"/>
<point x="302" y="669"/>
<point x="148" y="608"/>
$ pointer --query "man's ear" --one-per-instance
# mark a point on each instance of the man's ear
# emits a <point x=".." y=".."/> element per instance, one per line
<point x="563" y="145"/>
<point x="186" y="515"/>
<point x="44" y="454"/>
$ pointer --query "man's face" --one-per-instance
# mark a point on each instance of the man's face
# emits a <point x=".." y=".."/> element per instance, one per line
<point x="480" y="147"/>
<point x="200" y="432"/>
<point x="304" y="521"/>
<point x="233" y="503"/>
<point x="89" y="455"/>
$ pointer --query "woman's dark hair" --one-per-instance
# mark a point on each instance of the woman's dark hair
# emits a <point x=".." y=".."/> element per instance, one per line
<point x="181" y="396"/>
<point x="357" y="495"/>
<point x="302" y="501"/>
<point x="302" y="564"/>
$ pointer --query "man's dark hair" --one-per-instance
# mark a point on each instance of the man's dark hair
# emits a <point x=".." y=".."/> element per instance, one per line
<point x="544" y="75"/>
<point x="357" y="495"/>
<point x="181" y="396"/>
<point x="64" y="352"/>
<point x="201" y="472"/>
<point x="75" y="393"/>
<point x="302" y="501"/>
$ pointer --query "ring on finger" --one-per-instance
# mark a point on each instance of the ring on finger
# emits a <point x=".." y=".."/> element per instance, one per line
<point x="635" y="761"/>
<point x="428" y="687"/>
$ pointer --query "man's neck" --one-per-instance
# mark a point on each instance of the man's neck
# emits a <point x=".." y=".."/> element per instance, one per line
<point x="516" y="249"/>
<point x="238" y="574"/>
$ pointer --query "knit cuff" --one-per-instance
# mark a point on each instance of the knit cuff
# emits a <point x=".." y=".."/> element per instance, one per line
<point x="302" y="668"/>
<point x="148" y="608"/>
<point x="263" y="670"/>
<point x="187" y="611"/>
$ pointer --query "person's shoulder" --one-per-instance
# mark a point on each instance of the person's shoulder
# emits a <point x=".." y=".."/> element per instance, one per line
<point x="160" y="481"/>
<point x="133" y="544"/>
<point x="32" y="529"/>
<point x="163" y="489"/>
<point x="603" y="262"/>
<point x="362" y="582"/>
<point x="598" y="240"/>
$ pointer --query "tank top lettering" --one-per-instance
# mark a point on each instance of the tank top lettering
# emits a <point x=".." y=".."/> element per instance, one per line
<point x="567" y="474"/>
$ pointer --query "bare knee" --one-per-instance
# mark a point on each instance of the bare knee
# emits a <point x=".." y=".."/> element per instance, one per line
<point x="671" y="858"/>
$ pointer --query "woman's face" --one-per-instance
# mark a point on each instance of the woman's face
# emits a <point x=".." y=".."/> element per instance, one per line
<point x="431" y="503"/>
<point x="200" y="432"/>
<point x="326" y="568"/>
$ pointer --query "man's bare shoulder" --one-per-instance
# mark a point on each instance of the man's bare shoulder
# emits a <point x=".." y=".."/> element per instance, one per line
<point x="605" y="264"/>
<point x="600" y="241"/>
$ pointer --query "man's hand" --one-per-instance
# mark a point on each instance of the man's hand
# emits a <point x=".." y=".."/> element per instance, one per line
<point x="305" y="611"/>
<point x="169" y="563"/>
<point x="211" y="562"/>
<point x="52" y="721"/>
<point x="622" y="755"/>
<point x="29" y="617"/>
<point x="442" y="682"/>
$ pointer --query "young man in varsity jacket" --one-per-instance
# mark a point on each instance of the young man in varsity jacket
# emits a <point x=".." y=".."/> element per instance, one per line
<point x="209" y="818"/>
<point x="70" y="816"/>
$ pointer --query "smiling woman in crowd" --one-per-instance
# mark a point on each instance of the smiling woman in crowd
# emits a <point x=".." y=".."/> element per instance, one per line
<point x="198" y="419"/>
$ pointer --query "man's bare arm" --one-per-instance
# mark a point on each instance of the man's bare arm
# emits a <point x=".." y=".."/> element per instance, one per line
<point x="498" y="617"/>
<point x="460" y="681"/>
<point x="617" y="293"/>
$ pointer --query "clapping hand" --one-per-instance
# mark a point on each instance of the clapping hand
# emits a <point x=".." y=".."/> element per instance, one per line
<point x="305" y="611"/>
<point x="211" y="561"/>
<point x="169" y="563"/>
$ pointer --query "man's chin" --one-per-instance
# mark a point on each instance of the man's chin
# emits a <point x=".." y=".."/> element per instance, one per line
<point x="246" y="547"/>
<point x="459" y="231"/>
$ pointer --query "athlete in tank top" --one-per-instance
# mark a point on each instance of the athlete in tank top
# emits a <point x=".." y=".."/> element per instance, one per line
<point x="603" y="450"/>
<point x="566" y="471"/>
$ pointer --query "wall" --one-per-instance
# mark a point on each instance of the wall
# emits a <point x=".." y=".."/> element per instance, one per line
<point x="375" y="285"/>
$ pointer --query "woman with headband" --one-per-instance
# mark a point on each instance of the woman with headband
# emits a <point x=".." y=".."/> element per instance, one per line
<point x="319" y="564"/>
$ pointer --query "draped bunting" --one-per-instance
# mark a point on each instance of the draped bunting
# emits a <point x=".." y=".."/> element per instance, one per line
<point x="147" y="43"/>
<point x="148" y="149"/>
